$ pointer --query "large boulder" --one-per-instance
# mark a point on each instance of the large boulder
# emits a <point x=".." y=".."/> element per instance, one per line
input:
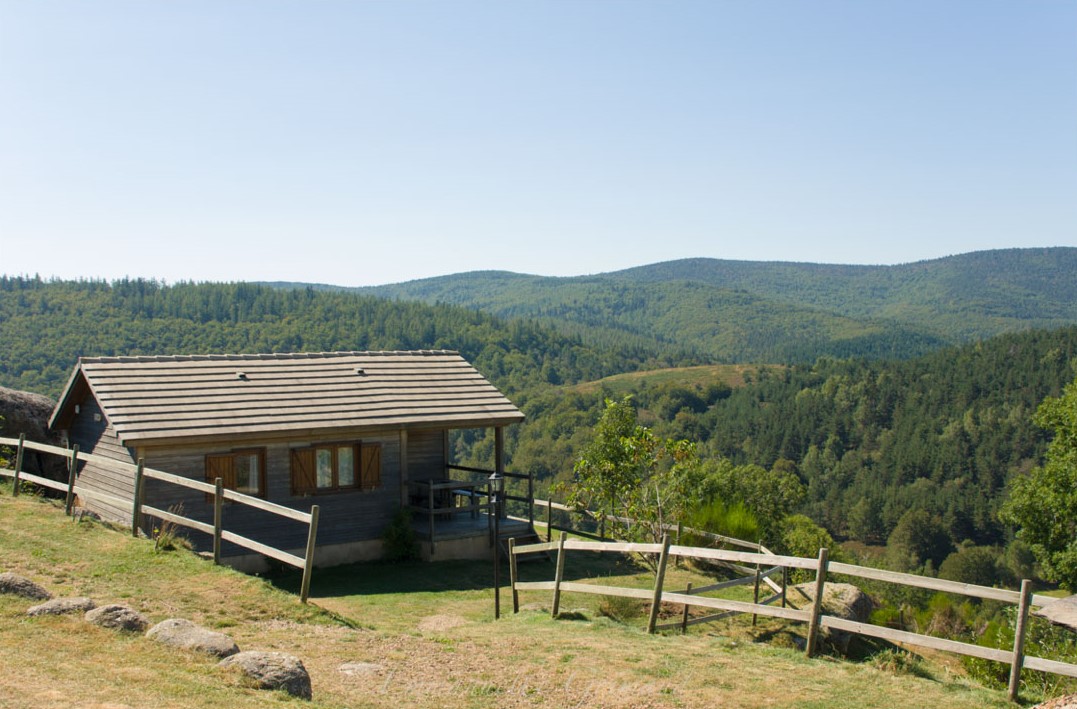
<point x="1067" y="702"/>
<point x="1061" y="612"/>
<point x="28" y="413"/>
<point x="273" y="670"/>
<point x="62" y="606"/>
<point x="22" y="586"/>
<point x="842" y="600"/>
<point x="118" y="617"/>
<point x="182" y="633"/>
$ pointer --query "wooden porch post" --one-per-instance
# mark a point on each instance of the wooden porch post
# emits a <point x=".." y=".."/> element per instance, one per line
<point x="445" y="458"/>
<point x="499" y="465"/>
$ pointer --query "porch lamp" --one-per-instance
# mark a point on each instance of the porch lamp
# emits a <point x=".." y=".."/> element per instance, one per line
<point x="495" y="503"/>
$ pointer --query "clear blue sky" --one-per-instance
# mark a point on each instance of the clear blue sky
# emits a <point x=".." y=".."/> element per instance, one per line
<point x="357" y="143"/>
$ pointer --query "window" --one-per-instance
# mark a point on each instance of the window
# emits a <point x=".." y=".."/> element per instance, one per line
<point x="331" y="467"/>
<point x="242" y="470"/>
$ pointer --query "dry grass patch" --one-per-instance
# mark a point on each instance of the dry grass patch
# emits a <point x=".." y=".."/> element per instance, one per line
<point x="412" y="635"/>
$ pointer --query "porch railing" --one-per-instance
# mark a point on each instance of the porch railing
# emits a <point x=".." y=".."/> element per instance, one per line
<point x="445" y="498"/>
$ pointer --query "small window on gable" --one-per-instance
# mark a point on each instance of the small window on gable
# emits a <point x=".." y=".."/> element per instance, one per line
<point x="332" y="467"/>
<point x="241" y="470"/>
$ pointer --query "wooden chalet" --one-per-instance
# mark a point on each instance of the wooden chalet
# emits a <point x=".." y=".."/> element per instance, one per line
<point x="360" y="434"/>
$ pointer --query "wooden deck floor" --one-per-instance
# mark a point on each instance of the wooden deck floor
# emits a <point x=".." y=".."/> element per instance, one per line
<point x="462" y="526"/>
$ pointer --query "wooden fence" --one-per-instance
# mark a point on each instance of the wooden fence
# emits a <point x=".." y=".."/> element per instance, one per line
<point x="814" y="617"/>
<point x="679" y="530"/>
<point x="140" y="472"/>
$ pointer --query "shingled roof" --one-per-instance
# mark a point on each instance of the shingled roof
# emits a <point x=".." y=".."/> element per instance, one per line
<point x="164" y="398"/>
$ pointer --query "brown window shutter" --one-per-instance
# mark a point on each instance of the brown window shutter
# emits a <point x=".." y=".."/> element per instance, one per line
<point x="371" y="470"/>
<point x="220" y="466"/>
<point x="304" y="471"/>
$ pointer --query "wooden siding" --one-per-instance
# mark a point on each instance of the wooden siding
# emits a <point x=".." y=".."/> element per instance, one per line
<point x="93" y="433"/>
<point x="347" y="516"/>
<point x="156" y="399"/>
<point x="426" y="455"/>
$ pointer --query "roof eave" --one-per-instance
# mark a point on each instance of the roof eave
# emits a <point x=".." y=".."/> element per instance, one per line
<point x="156" y="439"/>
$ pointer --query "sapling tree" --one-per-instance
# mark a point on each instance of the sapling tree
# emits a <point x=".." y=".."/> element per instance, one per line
<point x="1043" y="503"/>
<point x="635" y="483"/>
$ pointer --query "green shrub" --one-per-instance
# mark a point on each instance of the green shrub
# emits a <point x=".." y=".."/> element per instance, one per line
<point x="1042" y="639"/>
<point x="400" y="541"/>
<point x="734" y="520"/>
<point x="167" y="536"/>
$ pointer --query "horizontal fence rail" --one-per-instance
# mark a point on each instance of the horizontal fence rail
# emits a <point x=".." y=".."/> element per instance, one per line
<point x="814" y="616"/>
<point x="138" y="508"/>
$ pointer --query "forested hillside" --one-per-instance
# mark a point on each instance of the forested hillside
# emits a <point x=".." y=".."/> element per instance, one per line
<point x="870" y="440"/>
<point x="46" y="326"/>
<point x="786" y="312"/>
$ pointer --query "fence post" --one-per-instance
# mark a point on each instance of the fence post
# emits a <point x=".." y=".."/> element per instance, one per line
<point x="72" y="466"/>
<point x="308" y="561"/>
<point x="136" y="503"/>
<point x="549" y="520"/>
<point x="18" y="465"/>
<point x="817" y="603"/>
<point x="1019" y="640"/>
<point x="659" y="580"/>
<point x="785" y="583"/>
<point x="755" y="595"/>
<point x="560" y="572"/>
<point x="512" y="575"/>
<point x="218" y="515"/>
<point x="684" y="618"/>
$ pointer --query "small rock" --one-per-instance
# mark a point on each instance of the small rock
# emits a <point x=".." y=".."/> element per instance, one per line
<point x="273" y="670"/>
<point x="179" y="632"/>
<point x="1066" y="702"/>
<point x="360" y="668"/>
<point x="22" y="586"/>
<point x="61" y="606"/>
<point x="118" y="617"/>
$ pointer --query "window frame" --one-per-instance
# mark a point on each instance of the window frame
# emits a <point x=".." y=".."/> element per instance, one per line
<point x="305" y="483"/>
<point x="212" y="462"/>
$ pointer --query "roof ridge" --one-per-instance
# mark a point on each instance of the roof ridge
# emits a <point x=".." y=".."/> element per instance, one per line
<point x="121" y="359"/>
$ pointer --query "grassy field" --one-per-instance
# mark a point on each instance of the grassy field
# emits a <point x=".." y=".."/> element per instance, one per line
<point x="424" y="636"/>
<point x="620" y="384"/>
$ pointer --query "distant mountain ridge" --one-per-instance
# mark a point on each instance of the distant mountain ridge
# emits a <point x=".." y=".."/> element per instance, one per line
<point x="742" y="311"/>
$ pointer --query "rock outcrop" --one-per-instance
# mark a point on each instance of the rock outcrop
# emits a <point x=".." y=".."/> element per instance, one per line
<point x="24" y="412"/>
